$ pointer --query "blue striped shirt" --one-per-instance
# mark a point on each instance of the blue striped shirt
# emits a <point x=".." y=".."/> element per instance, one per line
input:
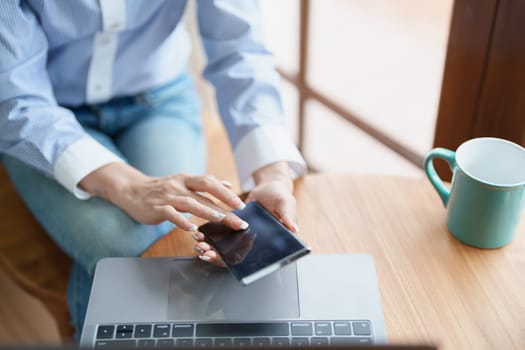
<point x="59" y="53"/>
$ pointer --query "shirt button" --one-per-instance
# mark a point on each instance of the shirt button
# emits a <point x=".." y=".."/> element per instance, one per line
<point x="98" y="87"/>
<point x="115" y="25"/>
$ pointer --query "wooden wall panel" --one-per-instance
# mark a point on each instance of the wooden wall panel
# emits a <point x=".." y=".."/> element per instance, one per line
<point x="501" y="110"/>
<point x="483" y="91"/>
<point x="467" y="50"/>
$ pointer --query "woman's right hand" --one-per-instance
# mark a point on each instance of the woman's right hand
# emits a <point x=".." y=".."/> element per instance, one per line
<point x="152" y="200"/>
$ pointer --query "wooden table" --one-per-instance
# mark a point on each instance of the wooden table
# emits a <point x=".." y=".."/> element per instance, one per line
<point x="433" y="288"/>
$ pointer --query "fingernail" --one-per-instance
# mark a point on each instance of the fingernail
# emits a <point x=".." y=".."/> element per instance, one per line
<point x="197" y="236"/>
<point x="296" y="228"/>
<point x="244" y="225"/>
<point x="193" y="228"/>
<point x="204" y="258"/>
<point x="218" y="215"/>
<point x="241" y="206"/>
<point x="227" y="183"/>
<point x="198" y="250"/>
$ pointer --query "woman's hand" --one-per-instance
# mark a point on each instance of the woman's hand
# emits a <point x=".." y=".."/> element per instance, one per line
<point x="274" y="190"/>
<point x="152" y="200"/>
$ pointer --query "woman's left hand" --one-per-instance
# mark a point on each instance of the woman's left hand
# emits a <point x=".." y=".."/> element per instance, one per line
<point x="274" y="191"/>
<point x="277" y="197"/>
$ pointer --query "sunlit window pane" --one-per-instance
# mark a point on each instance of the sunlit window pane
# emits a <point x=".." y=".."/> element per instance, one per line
<point x="383" y="60"/>
<point x="281" y="28"/>
<point x="335" y="145"/>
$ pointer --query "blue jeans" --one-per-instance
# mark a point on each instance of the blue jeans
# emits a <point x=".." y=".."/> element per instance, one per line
<point x="160" y="133"/>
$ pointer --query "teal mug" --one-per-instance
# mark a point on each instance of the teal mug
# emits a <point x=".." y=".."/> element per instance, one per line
<point x="487" y="194"/>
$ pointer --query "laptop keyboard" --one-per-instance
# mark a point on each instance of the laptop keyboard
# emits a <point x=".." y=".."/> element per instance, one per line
<point x="228" y="335"/>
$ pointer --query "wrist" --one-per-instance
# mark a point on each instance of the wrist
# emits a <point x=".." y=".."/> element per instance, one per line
<point x="111" y="181"/>
<point x="278" y="171"/>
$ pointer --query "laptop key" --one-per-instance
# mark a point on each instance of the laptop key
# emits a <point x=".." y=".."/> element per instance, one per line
<point x="277" y="342"/>
<point x="323" y="328"/>
<point x="319" y="341"/>
<point x="279" y="329"/>
<point x="203" y="343"/>
<point x="115" y="344"/>
<point x="184" y="342"/>
<point x="183" y="330"/>
<point x="161" y="330"/>
<point x="121" y="335"/>
<point x="242" y="342"/>
<point x="165" y="343"/>
<point x="124" y="331"/>
<point x="105" y="332"/>
<point x="223" y="342"/>
<point x="261" y="342"/>
<point x="300" y="341"/>
<point x="350" y="340"/>
<point x="143" y="331"/>
<point x="361" y="328"/>
<point x="301" y="328"/>
<point x="146" y="343"/>
<point x="342" y="328"/>
<point x="125" y="328"/>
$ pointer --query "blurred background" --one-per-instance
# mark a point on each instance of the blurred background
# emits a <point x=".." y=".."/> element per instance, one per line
<point x="381" y="61"/>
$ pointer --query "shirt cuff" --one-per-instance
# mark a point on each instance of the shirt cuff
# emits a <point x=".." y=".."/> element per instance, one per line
<point x="78" y="160"/>
<point x="262" y="146"/>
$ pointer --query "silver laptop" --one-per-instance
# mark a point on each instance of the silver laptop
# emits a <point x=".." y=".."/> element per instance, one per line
<point x="322" y="299"/>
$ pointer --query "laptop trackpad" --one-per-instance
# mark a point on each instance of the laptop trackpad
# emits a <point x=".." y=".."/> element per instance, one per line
<point x="202" y="292"/>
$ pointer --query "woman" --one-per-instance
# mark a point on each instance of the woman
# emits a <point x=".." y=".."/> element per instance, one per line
<point x="100" y="127"/>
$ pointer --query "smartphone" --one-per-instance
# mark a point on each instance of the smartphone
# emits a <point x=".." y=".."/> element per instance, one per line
<point x="263" y="248"/>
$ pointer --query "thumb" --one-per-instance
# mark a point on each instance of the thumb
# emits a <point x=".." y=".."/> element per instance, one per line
<point x="285" y="210"/>
<point x="291" y="225"/>
<point x="250" y="197"/>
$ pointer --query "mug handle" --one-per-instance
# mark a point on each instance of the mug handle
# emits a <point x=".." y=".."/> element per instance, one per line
<point x="435" y="180"/>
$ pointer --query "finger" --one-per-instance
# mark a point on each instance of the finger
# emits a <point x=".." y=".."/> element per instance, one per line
<point x="231" y="220"/>
<point x="250" y="198"/>
<point x="205" y="201"/>
<point x="198" y="236"/>
<point x="285" y="210"/>
<point x="290" y="224"/>
<point x="206" y="253"/>
<point x="202" y="247"/>
<point x="235" y="222"/>
<point x="171" y="214"/>
<point x="190" y="204"/>
<point x="212" y="257"/>
<point x="227" y="184"/>
<point x="214" y="187"/>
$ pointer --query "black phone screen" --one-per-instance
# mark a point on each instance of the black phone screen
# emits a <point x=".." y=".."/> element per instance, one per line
<point x="266" y="242"/>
